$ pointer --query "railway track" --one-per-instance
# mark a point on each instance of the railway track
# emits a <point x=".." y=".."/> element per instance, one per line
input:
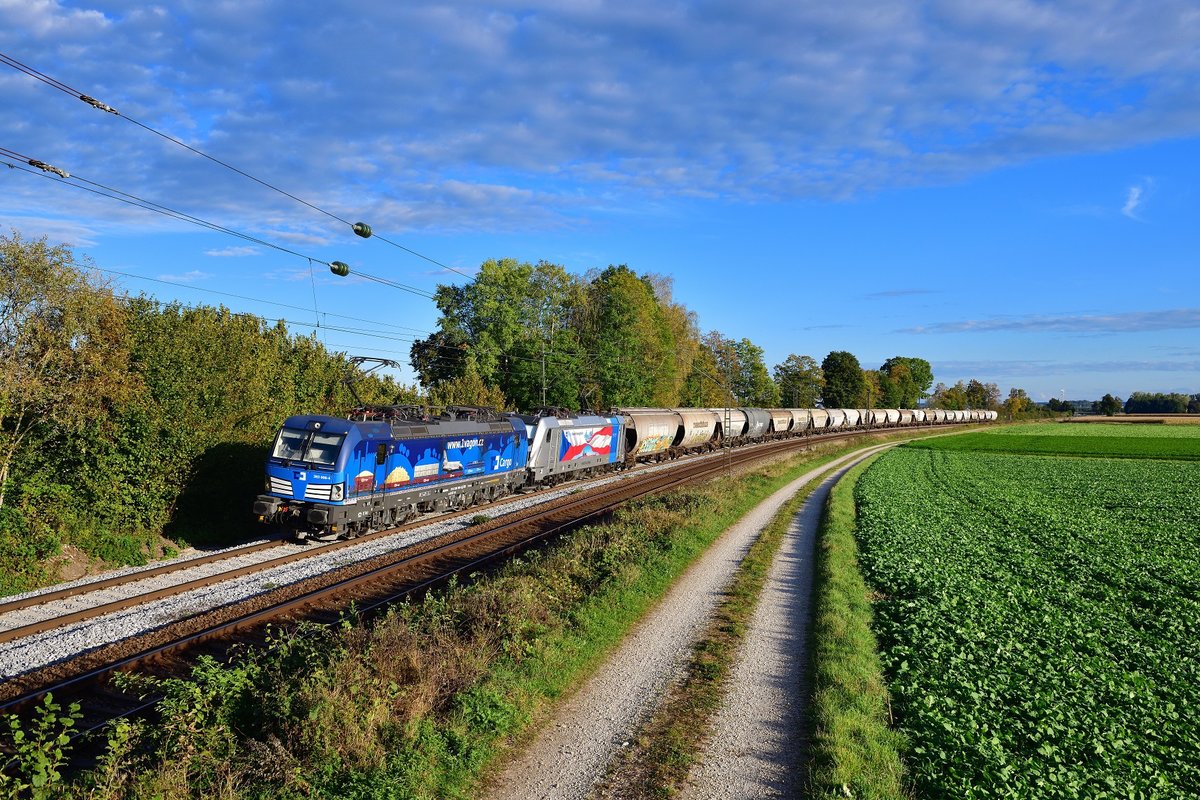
<point x="367" y="585"/>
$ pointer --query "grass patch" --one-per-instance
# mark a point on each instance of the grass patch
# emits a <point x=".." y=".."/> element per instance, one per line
<point x="1185" y="449"/>
<point x="855" y="752"/>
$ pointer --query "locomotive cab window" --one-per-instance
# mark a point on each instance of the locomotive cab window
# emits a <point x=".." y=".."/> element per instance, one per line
<point x="324" y="448"/>
<point x="315" y="448"/>
<point x="289" y="446"/>
<point x="381" y="453"/>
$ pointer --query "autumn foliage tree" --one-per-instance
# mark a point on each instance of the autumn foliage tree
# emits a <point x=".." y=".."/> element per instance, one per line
<point x="63" y="354"/>
<point x="800" y="381"/>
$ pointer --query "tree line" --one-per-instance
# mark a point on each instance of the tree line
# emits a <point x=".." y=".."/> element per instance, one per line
<point x="1138" y="403"/>
<point x="523" y="335"/>
<point x="1162" y="403"/>
<point x="123" y="419"/>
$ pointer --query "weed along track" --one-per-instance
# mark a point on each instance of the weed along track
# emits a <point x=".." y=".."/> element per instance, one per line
<point x="169" y="649"/>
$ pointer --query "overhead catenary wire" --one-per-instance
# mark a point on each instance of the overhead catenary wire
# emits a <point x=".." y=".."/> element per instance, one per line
<point x="410" y="338"/>
<point x="77" y="182"/>
<point x="254" y="299"/>
<point x="358" y="228"/>
<point x="148" y="205"/>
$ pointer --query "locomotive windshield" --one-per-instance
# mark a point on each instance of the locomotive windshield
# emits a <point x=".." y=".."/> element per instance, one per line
<point x="313" y="447"/>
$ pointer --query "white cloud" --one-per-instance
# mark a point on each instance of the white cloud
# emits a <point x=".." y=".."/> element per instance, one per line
<point x="1132" y="200"/>
<point x="188" y="277"/>
<point x="232" y="252"/>
<point x="503" y="114"/>
<point x="1125" y="322"/>
<point x="1135" y="198"/>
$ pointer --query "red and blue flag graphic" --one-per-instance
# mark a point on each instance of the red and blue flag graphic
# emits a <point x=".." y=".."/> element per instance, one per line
<point x="583" y="442"/>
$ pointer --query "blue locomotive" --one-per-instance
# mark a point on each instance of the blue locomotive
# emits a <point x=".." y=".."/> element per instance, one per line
<point x="330" y="477"/>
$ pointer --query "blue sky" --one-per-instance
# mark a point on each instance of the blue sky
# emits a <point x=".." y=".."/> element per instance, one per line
<point x="1008" y="189"/>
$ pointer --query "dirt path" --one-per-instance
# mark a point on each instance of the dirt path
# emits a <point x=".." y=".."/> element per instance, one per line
<point x="760" y="735"/>
<point x="574" y="750"/>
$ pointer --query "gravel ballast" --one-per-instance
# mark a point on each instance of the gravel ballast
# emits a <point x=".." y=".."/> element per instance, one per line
<point x="41" y="650"/>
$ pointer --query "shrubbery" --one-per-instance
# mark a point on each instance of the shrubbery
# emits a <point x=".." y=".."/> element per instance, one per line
<point x="123" y="419"/>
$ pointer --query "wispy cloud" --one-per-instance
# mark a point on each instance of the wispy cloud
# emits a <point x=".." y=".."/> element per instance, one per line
<point x="1128" y="322"/>
<point x="901" y="292"/>
<point x="1010" y="369"/>
<point x="232" y="252"/>
<point x="187" y="277"/>
<point x="1135" y="198"/>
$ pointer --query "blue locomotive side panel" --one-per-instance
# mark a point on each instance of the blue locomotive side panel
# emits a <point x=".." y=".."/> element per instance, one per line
<point x="410" y="462"/>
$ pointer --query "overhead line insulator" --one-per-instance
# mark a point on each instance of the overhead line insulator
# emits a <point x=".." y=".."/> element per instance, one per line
<point x="339" y="268"/>
<point x="91" y="101"/>
<point x="362" y="229"/>
<point x="44" y="167"/>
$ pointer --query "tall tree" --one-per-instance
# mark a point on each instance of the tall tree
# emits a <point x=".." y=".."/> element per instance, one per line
<point x="705" y="386"/>
<point x="949" y="397"/>
<point x="1110" y="405"/>
<point x="872" y="394"/>
<point x="844" y="382"/>
<point x="905" y="381"/>
<point x="630" y="347"/>
<point x="982" y="395"/>
<point x="63" y="354"/>
<point x="800" y="381"/>
<point x="518" y="323"/>
<point x="753" y="384"/>
<point x="725" y="356"/>
<point x="1018" y="402"/>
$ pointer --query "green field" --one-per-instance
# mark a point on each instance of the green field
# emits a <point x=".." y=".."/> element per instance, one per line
<point x="1039" y="617"/>
<point x="1176" y="442"/>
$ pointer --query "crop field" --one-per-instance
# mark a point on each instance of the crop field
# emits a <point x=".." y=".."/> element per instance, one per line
<point x="1109" y="441"/>
<point x="1039" y="618"/>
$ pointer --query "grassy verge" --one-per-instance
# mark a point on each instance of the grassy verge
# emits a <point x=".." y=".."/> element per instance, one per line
<point x="420" y="703"/>
<point x="855" y="751"/>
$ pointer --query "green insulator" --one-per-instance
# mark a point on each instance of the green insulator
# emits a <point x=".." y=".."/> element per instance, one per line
<point x="362" y="229"/>
<point x="339" y="268"/>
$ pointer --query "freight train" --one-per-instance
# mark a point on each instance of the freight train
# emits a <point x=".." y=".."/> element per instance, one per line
<point x="328" y="477"/>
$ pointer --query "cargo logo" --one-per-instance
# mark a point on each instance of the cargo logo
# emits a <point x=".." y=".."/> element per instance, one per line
<point x="583" y="442"/>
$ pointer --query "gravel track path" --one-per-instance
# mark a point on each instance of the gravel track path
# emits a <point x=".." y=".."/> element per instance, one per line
<point x="760" y="735"/>
<point x="573" y="751"/>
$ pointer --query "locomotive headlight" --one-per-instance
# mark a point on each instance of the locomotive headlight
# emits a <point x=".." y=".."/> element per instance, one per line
<point x="335" y="492"/>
